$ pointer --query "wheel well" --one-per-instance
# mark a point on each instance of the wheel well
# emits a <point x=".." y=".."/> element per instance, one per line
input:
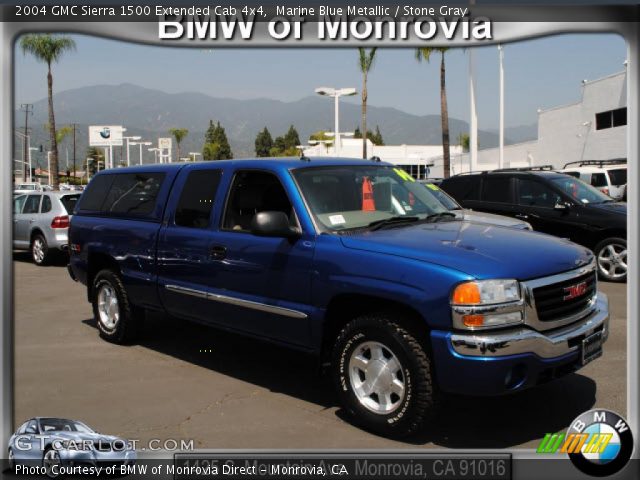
<point x="346" y="307"/>
<point x="35" y="232"/>
<point x="609" y="234"/>
<point x="97" y="262"/>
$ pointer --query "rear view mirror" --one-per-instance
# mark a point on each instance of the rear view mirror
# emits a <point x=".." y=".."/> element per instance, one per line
<point x="273" y="224"/>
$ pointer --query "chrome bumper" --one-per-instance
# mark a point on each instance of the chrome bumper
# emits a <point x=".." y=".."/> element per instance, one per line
<point x="554" y="343"/>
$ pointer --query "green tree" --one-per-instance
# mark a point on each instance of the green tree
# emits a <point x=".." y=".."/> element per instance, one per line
<point x="263" y="143"/>
<point x="425" y="54"/>
<point x="49" y="49"/>
<point x="376" y="138"/>
<point x="291" y="138"/>
<point x="357" y="133"/>
<point x="179" y="134"/>
<point x="216" y="145"/>
<point x="365" y="62"/>
<point x="464" y="141"/>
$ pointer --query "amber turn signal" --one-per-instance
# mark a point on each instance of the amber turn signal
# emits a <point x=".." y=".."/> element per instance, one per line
<point x="466" y="294"/>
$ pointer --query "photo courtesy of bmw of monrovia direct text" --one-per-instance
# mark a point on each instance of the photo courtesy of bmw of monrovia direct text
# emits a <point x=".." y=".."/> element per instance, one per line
<point x="319" y="240"/>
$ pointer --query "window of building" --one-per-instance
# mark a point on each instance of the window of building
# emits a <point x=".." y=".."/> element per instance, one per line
<point x="196" y="200"/>
<point x="611" y="118"/>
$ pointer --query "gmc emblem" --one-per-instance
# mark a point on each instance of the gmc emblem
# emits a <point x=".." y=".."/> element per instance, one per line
<point x="574" y="291"/>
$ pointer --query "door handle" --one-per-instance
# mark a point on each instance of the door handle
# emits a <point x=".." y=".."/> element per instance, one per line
<point x="522" y="216"/>
<point x="218" y="252"/>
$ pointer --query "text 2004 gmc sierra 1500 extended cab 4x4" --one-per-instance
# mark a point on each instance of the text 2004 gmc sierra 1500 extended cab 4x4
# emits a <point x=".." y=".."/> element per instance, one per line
<point x="351" y="260"/>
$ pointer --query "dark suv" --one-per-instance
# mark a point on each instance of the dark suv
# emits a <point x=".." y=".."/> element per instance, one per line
<point x="552" y="203"/>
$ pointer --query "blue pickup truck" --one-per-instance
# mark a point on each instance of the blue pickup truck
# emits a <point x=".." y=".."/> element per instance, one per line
<point x="350" y="260"/>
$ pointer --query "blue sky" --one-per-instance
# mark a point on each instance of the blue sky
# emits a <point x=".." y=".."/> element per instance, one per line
<point x="539" y="73"/>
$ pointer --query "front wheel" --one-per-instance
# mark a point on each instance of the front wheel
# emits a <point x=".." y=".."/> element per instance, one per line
<point x="50" y="460"/>
<point x="383" y="376"/>
<point x="611" y="255"/>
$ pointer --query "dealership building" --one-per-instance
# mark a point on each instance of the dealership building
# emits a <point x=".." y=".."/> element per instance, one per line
<point x="594" y="128"/>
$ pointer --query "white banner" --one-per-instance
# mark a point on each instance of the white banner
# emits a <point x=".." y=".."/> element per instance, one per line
<point x="105" y="135"/>
<point x="164" y="143"/>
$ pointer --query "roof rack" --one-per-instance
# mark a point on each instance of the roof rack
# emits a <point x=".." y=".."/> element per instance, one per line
<point x="536" y="168"/>
<point x="599" y="163"/>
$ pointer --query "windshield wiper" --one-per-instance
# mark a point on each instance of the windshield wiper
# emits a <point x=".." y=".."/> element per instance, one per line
<point x="378" y="224"/>
<point x="434" y="217"/>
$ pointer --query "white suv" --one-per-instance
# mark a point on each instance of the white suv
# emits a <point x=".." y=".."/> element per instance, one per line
<point x="608" y="176"/>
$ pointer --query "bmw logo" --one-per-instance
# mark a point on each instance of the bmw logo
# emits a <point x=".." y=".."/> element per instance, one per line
<point x="606" y="442"/>
<point x="105" y="132"/>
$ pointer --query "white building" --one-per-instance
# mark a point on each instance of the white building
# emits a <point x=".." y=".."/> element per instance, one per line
<point x="592" y="129"/>
<point x="421" y="161"/>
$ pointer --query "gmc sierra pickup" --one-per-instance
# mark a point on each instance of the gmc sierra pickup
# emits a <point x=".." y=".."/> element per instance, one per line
<point x="351" y="260"/>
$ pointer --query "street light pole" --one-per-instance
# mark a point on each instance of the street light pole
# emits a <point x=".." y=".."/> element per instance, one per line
<point x="336" y="93"/>
<point x="135" y="137"/>
<point x="501" y="150"/>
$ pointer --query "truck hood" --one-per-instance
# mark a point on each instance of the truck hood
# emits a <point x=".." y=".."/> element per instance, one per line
<point x="481" y="251"/>
<point x="611" y="207"/>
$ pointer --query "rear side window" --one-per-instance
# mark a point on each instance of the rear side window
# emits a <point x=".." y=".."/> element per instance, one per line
<point x="618" y="176"/>
<point x="497" y="188"/>
<point x="46" y="204"/>
<point x="599" y="180"/>
<point x="69" y="202"/>
<point x="127" y="194"/>
<point x="32" y="204"/>
<point x="463" y="188"/>
<point x="196" y="200"/>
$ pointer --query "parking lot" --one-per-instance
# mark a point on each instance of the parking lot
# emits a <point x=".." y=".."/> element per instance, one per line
<point x="186" y="381"/>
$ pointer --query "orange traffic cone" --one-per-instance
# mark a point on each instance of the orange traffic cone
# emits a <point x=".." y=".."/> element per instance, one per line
<point x="368" y="203"/>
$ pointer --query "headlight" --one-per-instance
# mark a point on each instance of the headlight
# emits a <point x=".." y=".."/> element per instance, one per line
<point x="486" y="304"/>
<point x="486" y="292"/>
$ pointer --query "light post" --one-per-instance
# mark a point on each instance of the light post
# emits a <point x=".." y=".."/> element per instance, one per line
<point x="194" y="155"/>
<point x="336" y="93"/>
<point x="155" y="153"/>
<point x="135" y="138"/>
<point x="140" y="144"/>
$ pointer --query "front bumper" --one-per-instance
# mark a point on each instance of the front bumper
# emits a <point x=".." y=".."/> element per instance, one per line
<point x="492" y="363"/>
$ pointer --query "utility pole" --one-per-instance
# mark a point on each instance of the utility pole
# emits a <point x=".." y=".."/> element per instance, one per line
<point x="74" y="125"/>
<point x="28" y="108"/>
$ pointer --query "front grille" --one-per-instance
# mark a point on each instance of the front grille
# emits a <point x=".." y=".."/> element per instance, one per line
<point x="550" y="299"/>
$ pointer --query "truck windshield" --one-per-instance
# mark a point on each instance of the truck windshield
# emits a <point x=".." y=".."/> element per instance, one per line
<point x="352" y="197"/>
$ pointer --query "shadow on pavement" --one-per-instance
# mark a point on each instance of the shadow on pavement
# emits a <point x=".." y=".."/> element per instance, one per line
<point x="58" y="260"/>
<point x="461" y="422"/>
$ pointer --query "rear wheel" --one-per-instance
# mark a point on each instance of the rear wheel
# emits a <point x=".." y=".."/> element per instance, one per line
<point x="383" y="377"/>
<point x="118" y="321"/>
<point x="611" y="256"/>
<point x="40" y="252"/>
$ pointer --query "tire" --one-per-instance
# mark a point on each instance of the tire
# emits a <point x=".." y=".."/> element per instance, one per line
<point x="118" y="321"/>
<point x="40" y="252"/>
<point x="611" y="258"/>
<point x="51" y="457"/>
<point x="402" y="398"/>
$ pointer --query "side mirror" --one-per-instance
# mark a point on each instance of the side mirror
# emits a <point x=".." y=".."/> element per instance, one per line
<point x="562" y="206"/>
<point x="273" y="224"/>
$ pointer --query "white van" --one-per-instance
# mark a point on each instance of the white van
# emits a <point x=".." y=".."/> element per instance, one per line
<point x="608" y="176"/>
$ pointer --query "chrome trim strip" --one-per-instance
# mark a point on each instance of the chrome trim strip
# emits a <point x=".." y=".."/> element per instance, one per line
<point x="263" y="307"/>
<point x="458" y="311"/>
<point x="524" y="340"/>
<point x="531" y="312"/>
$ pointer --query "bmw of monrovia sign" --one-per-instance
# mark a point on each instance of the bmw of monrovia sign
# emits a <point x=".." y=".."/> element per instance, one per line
<point x="105" y="135"/>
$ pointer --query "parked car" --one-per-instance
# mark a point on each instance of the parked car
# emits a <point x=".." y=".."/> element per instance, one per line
<point x="27" y="187"/>
<point x="41" y="223"/>
<point x="472" y="216"/>
<point x="350" y="260"/>
<point x="608" y="176"/>
<point x="57" y="441"/>
<point x="552" y="203"/>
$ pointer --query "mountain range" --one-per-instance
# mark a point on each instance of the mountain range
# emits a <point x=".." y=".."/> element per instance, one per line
<point x="150" y="113"/>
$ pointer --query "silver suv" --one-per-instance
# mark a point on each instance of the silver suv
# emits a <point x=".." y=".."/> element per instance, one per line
<point x="41" y="222"/>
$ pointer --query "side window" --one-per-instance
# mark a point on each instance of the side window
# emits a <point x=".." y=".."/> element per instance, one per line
<point x="46" y="204"/>
<point x="463" y="188"/>
<point x="573" y="174"/>
<point x="599" y="180"/>
<point x="253" y="192"/>
<point x="94" y="195"/>
<point x="497" y="189"/>
<point x="133" y="193"/>
<point x="532" y="193"/>
<point x="32" y="205"/>
<point x="18" y="203"/>
<point x="22" y="428"/>
<point x="196" y="200"/>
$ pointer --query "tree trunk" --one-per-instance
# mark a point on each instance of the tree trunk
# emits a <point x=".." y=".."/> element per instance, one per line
<point x="53" y="168"/>
<point x="364" y="116"/>
<point x="444" y="114"/>
<point x="178" y="150"/>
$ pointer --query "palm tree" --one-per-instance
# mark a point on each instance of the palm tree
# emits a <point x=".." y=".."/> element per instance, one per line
<point x="49" y="48"/>
<point x="365" y="62"/>
<point x="178" y="134"/>
<point x="425" y="54"/>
